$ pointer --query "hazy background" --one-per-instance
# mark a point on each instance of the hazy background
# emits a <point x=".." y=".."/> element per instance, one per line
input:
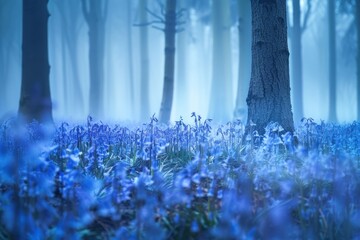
<point x="197" y="49"/>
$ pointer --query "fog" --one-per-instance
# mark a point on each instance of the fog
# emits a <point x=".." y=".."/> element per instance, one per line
<point x="69" y="75"/>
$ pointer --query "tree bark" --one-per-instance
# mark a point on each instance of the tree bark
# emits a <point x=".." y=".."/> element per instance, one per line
<point x="332" y="61"/>
<point x="357" y="19"/>
<point x="168" y="88"/>
<point x="95" y="14"/>
<point x="296" y="55"/>
<point x="269" y="92"/>
<point x="221" y="100"/>
<point x="35" y="99"/>
<point x="244" y="58"/>
<point x="144" y="52"/>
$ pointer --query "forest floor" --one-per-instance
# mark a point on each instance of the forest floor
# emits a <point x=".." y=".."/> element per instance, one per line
<point x="185" y="181"/>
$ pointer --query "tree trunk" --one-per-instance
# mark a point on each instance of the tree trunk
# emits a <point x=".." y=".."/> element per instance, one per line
<point x="168" y="88"/>
<point x="296" y="55"/>
<point x="357" y="14"/>
<point x="35" y="98"/>
<point x="269" y="93"/>
<point x="181" y="82"/>
<point x="221" y="100"/>
<point x="332" y="61"/>
<point x="71" y="30"/>
<point x="65" y="78"/>
<point x="144" y="51"/>
<point x="244" y="58"/>
<point x="95" y="14"/>
<point x="3" y="60"/>
<point x="130" y="55"/>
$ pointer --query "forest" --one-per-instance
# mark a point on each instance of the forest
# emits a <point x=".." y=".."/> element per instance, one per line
<point x="179" y="119"/>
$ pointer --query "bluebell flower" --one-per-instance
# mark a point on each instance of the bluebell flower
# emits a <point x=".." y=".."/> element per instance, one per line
<point x="195" y="226"/>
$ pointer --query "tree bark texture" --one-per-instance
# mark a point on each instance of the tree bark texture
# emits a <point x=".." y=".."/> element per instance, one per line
<point x="269" y="92"/>
<point x="221" y="98"/>
<point x="357" y="19"/>
<point x="95" y="15"/>
<point x="35" y="99"/>
<point x="296" y="57"/>
<point x="144" y="63"/>
<point x="168" y="88"/>
<point x="332" y="61"/>
<point x="244" y="7"/>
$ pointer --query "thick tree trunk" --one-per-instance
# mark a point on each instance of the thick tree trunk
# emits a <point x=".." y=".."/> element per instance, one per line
<point x="244" y="58"/>
<point x="144" y="52"/>
<point x="95" y="14"/>
<point x="35" y="99"/>
<point x="168" y="88"/>
<point x="332" y="61"/>
<point x="269" y="93"/>
<point x="221" y="100"/>
<point x="357" y="14"/>
<point x="296" y="57"/>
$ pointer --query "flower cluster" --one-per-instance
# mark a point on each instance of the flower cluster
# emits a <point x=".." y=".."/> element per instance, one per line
<point x="183" y="181"/>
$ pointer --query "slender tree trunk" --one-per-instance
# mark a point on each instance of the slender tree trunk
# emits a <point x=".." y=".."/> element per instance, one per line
<point x="181" y="69"/>
<point x="35" y="98"/>
<point x="244" y="58"/>
<point x="65" y="80"/>
<point x="269" y="93"/>
<point x="3" y="75"/>
<point x="221" y="100"/>
<point x="332" y="61"/>
<point x="130" y="55"/>
<point x="95" y="14"/>
<point x="3" y="61"/>
<point x="144" y="52"/>
<point x="296" y="55"/>
<point x="77" y="92"/>
<point x="357" y="14"/>
<point x="71" y="31"/>
<point x="168" y="89"/>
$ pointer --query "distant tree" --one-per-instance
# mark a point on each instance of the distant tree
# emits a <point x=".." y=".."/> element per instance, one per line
<point x="244" y="9"/>
<point x="144" y="62"/>
<point x="357" y="16"/>
<point x="181" y="81"/>
<point x="70" y="27"/>
<point x="168" y="88"/>
<point x="221" y="100"/>
<point x="35" y="99"/>
<point x="332" y="60"/>
<point x="350" y="42"/>
<point x="4" y="55"/>
<point x="296" y="31"/>
<point x="269" y="92"/>
<point x="95" y="13"/>
<point x="130" y="52"/>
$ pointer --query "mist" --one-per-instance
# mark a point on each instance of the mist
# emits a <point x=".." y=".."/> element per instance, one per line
<point x="195" y="68"/>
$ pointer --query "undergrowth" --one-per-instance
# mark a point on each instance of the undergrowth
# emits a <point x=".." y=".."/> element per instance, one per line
<point x="185" y="181"/>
